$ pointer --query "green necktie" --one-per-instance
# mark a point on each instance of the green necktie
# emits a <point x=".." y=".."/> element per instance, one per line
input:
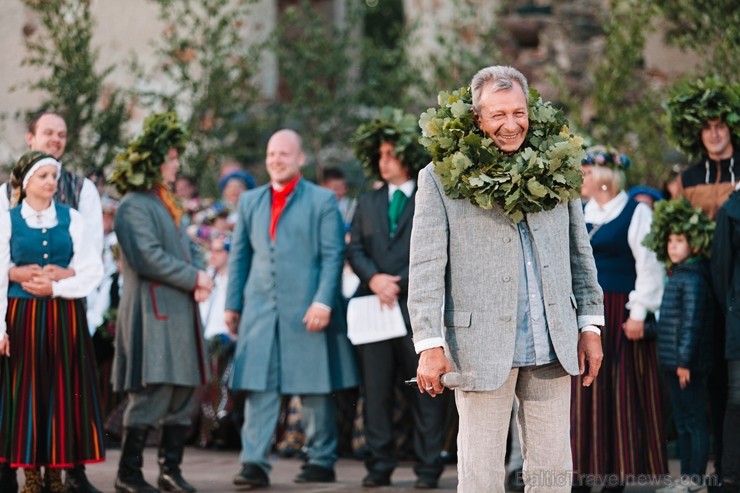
<point x="398" y="202"/>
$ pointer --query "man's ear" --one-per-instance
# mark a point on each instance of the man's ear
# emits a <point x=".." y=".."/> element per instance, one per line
<point x="29" y="139"/>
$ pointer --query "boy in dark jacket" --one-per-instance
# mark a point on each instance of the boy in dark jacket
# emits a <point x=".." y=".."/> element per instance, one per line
<point x="684" y="330"/>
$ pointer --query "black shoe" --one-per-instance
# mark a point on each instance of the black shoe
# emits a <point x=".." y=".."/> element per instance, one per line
<point x="171" y="445"/>
<point x="315" y="474"/>
<point x="426" y="483"/>
<point x="375" y="479"/>
<point x="8" y="479"/>
<point x="77" y="482"/>
<point x="515" y="481"/>
<point x="252" y="475"/>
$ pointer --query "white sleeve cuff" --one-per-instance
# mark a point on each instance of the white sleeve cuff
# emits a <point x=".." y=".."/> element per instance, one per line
<point x="321" y="305"/>
<point x="430" y="343"/>
<point x="638" y="312"/>
<point x="591" y="328"/>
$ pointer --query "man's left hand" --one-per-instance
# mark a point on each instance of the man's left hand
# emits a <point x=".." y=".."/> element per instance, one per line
<point x="316" y="318"/>
<point x="590" y="355"/>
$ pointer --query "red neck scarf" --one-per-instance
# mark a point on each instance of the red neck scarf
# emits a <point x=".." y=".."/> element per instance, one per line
<point x="279" y="198"/>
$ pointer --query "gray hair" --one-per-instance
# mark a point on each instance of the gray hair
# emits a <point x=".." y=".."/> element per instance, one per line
<point x="500" y="77"/>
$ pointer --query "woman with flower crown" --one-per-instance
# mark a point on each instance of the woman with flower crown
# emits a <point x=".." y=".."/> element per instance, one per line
<point x="616" y="424"/>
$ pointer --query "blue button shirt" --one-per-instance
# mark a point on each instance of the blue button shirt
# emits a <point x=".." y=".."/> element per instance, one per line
<point x="533" y="345"/>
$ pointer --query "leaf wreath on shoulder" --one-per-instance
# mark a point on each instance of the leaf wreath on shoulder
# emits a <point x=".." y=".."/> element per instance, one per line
<point x="544" y="172"/>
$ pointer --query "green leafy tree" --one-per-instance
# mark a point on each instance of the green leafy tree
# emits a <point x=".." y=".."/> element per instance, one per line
<point x="315" y="60"/>
<point x="465" y="43"/>
<point x="387" y="75"/>
<point x="208" y="63"/>
<point x="72" y="84"/>
<point x="627" y="106"/>
<point x="708" y="27"/>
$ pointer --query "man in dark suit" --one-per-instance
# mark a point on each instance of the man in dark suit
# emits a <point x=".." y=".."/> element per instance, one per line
<point x="379" y="255"/>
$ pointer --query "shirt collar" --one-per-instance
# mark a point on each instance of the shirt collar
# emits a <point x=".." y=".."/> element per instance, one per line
<point x="49" y="214"/>
<point x="598" y="214"/>
<point x="407" y="188"/>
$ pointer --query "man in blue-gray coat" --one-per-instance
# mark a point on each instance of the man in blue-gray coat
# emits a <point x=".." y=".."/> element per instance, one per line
<point x="284" y="302"/>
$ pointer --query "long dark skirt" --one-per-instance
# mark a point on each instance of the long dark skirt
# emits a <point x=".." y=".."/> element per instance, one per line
<point x="49" y="408"/>
<point x="617" y="423"/>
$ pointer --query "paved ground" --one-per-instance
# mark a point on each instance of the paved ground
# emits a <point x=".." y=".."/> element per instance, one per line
<point x="211" y="472"/>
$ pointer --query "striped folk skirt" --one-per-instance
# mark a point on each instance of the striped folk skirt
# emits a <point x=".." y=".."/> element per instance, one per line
<point x="49" y="410"/>
<point x="617" y="423"/>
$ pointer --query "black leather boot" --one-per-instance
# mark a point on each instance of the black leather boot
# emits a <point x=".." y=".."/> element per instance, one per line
<point x="8" y="478"/>
<point x="130" y="479"/>
<point x="171" y="447"/>
<point x="77" y="482"/>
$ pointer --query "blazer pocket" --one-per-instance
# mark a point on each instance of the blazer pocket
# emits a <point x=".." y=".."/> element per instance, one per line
<point x="457" y="318"/>
<point x="155" y="306"/>
<point x="573" y="301"/>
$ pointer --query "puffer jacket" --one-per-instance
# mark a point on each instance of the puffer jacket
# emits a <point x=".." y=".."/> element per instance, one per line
<point x="686" y="325"/>
<point x="726" y="272"/>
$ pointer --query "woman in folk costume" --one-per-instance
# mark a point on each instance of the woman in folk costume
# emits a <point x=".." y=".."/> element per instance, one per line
<point x="49" y="410"/>
<point x="617" y="424"/>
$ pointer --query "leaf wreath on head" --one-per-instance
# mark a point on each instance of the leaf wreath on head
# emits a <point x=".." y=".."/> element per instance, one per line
<point x="694" y="103"/>
<point x="679" y="217"/>
<point x="138" y="166"/>
<point x="398" y="128"/>
<point x="544" y="172"/>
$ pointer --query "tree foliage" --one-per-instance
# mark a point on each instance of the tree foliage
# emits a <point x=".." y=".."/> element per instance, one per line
<point x="318" y="94"/>
<point x="73" y="84"/>
<point x="708" y="27"/>
<point x="208" y="65"/>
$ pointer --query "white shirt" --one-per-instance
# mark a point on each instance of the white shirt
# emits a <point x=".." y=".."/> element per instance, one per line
<point x="89" y="206"/>
<point x="648" y="290"/>
<point x="212" y="310"/>
<point x="86" y="262"/>
<point x="98" y="302"/>
<point x="407" y="188"/>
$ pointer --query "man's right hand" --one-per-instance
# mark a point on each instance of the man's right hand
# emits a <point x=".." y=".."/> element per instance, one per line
<point x="433" y="363"/>
<point x="386" y="287"/>
<point x="590" y="355"/>
<point x="231" y="318"/>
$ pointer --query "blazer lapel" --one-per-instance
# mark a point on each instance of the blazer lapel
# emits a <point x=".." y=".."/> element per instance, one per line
<point x="380" y="209"/>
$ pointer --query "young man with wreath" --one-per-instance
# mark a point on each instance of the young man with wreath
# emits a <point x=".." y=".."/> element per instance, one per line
<point x="389" y="149"/>
<point x="511" y="271"/>
<point x="704" y="123"/>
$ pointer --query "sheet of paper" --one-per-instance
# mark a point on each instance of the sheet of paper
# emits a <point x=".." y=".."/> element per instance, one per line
<point x="369" y="321"/>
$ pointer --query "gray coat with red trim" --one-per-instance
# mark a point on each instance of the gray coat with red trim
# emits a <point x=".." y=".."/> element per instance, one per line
<point x="158" y="337"/>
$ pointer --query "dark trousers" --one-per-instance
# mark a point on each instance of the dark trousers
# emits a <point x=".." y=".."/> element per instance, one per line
<point x="384" y="365"/>
<point x="690" y="417"/>
<point x="731" y="452"/>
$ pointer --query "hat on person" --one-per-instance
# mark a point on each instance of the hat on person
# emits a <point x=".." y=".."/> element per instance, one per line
<point x="398" y="128"/>
<point x="653" y="193"/>
<point x="692" y="104"/>
<point x="138" y="166"/>
<point x="241" y="175"/>
<point x="678" y="216"/>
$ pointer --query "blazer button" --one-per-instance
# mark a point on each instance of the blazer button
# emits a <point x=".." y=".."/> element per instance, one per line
<point x="46" y="255"/>
<point x="44" y="242"/>
<point x="506" y="278"/>
<point x="506" y="318"/>
<point x="507" y="240"/>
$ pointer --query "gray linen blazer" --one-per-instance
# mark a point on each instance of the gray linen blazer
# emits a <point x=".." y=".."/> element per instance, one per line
<point x="466" y="260"/>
